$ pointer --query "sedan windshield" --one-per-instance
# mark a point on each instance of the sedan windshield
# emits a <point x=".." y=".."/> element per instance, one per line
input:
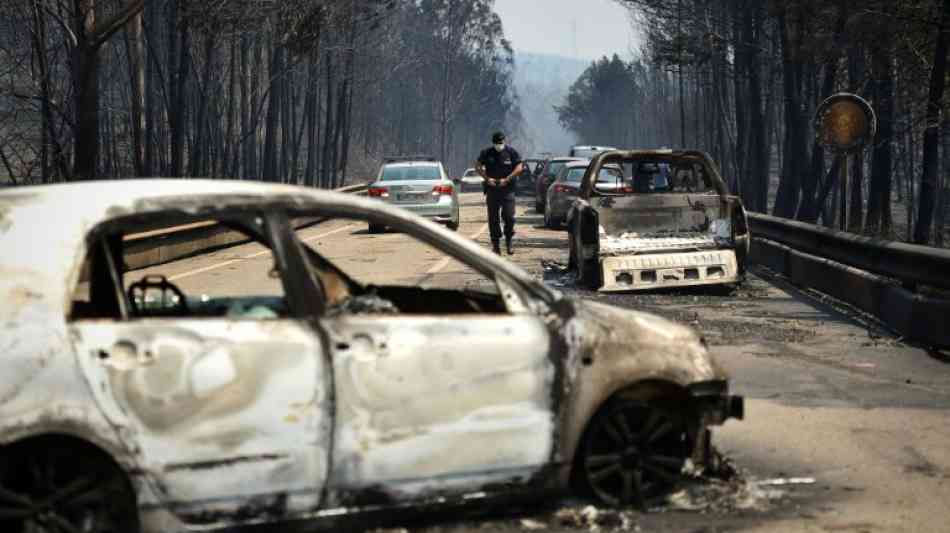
<point x="554" y="167"/>
<point x="404" y="173"/>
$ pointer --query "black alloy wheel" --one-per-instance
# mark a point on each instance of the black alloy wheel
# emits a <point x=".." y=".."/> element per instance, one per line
<point x="633" y="453"/>
<point x="47" y="487"/>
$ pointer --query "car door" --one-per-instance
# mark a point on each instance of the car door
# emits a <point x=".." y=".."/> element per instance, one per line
<point x="433" y="405"/>
<point x="443" y="396"/>
<point x="228" y="415"/>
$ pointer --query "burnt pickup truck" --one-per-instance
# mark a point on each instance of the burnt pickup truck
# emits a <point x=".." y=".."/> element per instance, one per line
<point x="671" y="222"/>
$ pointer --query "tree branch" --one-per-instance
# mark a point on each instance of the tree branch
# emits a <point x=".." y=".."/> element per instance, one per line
<point x="104" y="31"/>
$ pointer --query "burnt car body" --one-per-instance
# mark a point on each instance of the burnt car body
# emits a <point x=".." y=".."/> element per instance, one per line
<point x="678" y="225"/>
<point x="125" y="412"/>
<point x="549" y="171"/>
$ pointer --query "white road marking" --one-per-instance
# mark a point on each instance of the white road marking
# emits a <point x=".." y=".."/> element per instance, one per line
<point x="250" y="256"/>
<point x="445" y="260"/>
<point x="331" y="232"/>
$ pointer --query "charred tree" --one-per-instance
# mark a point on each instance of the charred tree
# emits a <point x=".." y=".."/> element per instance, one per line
<point x="931" y="162"/>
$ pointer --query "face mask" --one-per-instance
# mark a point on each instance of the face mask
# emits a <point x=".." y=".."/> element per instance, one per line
<point x="500" y="147"/>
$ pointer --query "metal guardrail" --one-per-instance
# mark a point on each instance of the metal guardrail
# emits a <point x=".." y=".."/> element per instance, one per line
<point x="910" y="264"/>
<point x="359" y="188"/>
<point x="873" y="275"/>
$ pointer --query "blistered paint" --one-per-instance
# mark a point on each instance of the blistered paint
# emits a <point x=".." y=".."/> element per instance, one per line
<point x="222" y="411"/>
<point x="432" y="405"/>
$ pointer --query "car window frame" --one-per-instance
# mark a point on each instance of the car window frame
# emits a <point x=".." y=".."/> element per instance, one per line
<point x="623" y="157"/>
<point x="500" y="278"/>
<point x="298" y="296"/>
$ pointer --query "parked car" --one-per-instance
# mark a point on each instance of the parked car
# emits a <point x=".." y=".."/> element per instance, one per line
<point x="525" y="184"/>
<point x="563" y="191"/>
<point x="588" y="151"/>
<point x="549" y="171"/>
<point x="419" y="185"/>
<point x="130" y="405"/>
<point x="676" y="226"/>
<point x="471" y="181"/>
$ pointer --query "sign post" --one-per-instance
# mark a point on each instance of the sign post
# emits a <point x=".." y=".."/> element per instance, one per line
<point x="845" y="123"/>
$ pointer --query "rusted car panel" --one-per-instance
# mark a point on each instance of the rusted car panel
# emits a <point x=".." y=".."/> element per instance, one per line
<point x="659" y="236"/>
<point x="214" y="422"/>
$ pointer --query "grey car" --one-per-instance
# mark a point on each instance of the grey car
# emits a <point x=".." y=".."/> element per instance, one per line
<point x="563" y="191"/>
<point x="420" y="186"/>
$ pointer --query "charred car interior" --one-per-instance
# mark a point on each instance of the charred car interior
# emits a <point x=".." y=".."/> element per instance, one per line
<point x="671" y="223"/>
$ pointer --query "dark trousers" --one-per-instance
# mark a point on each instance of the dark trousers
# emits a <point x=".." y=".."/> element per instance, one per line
<point x="501" y="208"/>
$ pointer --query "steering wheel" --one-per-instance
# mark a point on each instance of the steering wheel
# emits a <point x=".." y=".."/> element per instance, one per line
<point x="139" y="289"/>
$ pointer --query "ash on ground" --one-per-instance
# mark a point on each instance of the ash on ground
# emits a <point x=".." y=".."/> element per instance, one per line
<point x="724" y="314"/>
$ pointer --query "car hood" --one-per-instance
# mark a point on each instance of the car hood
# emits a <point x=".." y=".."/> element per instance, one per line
<point x="639" y="345"/>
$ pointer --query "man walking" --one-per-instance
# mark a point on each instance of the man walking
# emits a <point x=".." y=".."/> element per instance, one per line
<point x="499" y="165"/>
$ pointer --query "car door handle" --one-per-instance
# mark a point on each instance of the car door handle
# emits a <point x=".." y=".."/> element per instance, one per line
<point x="126" y="352"/>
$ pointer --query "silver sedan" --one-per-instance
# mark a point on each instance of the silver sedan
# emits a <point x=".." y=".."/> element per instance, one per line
<point x="418" y="186"/>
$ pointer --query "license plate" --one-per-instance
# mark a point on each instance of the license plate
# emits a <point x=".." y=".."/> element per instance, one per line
<point x="408" y="196"/>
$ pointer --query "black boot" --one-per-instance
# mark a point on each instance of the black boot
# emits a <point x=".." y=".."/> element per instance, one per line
<point x="511" y="249"/>
<point x="496" y="247"/>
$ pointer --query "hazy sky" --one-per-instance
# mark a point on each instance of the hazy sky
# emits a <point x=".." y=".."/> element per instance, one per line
<point x="546" y="26"/>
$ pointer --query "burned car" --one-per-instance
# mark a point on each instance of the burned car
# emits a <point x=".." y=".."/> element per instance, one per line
<point x="133" y="401"/>
<point x="675" y="225"/>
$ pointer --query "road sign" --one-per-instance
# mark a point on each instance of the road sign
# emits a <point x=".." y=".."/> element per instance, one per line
<point x="845" y="123"/>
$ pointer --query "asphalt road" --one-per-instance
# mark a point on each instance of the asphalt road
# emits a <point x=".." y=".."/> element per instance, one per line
<point x="854" y="422"/>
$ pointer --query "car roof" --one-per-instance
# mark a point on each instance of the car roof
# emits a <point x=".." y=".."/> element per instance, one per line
<point x="45" y="226"/>
<point x="586" y="163"/>
<point x="566" y="158"/>
<point x="413" y="164"/>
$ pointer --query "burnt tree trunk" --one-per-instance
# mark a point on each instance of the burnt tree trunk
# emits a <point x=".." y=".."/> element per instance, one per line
<point x="931" y="162"/>
<point x="879" y="193"/>
<point x="786" y="200"/>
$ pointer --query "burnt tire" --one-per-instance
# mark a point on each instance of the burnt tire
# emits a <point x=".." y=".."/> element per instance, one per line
<point x="588" y="272"/>
<point x="633" y="453"/>
<point x="52" y="484"/>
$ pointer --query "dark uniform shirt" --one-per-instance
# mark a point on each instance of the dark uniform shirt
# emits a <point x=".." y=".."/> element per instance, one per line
<point x="499" y="165"/>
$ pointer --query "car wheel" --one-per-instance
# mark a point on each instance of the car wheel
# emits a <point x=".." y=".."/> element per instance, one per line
<point x="538" y="206"/>
<point x="52" y="486"/>
<point x="633" y="453"/>
<point x="376" y="228"/>
<point x="588" y="271"/>
<point x="454" y="224"/>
